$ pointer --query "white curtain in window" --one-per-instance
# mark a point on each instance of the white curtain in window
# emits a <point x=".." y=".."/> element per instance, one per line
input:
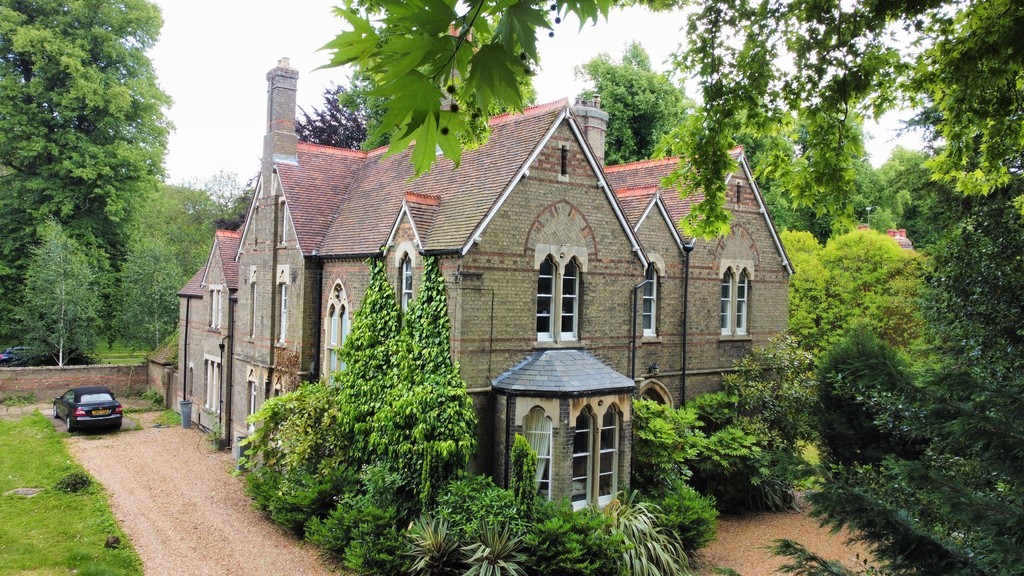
<point x="538" y="433"/>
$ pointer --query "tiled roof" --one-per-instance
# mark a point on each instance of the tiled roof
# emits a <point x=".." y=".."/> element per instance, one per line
<point x="194" y="287"/>
<point x="634" y="202"/>
<point x="465" y="195"/>
<point x="562" y="373"/>
<point x="315" y="188"/>
<point x="648" y="174"/>
<point x="423" y="211"/>
<point x="227" y="247"/>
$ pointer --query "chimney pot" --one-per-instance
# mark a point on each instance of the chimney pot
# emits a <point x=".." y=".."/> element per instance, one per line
<point x="593" y="122"/>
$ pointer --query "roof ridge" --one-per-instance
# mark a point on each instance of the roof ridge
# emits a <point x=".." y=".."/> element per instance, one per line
<point x="635" y="191"/>
<point x="530" y="111"/>
<point x="226" y="232"/>
<point x="427" y="199"/>
<point x="335" y="149"/>
<point x="642" y="164"/>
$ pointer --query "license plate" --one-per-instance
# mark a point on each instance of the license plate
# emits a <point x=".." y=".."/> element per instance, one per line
<point x="100" y="412"/>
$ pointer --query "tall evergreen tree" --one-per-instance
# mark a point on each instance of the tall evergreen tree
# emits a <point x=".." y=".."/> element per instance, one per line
<point x="82" y="131"/>
<point x="59" y="313"/>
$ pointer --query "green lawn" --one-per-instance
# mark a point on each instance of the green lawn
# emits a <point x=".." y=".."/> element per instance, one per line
<point x="119" y="353"/>
<point x="53" y="532"/>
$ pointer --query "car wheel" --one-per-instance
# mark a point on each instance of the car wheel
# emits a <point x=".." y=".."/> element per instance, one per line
<point x="67" y="422"/>
<point x="55" y="415"/>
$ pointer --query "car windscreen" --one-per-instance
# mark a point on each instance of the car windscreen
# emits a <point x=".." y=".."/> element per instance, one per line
<point x="96" y="397"/>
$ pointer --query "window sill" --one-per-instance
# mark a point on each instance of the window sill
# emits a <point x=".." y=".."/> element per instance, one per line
<point x="551" y="344"/>
<point x="650" y="340"/>
<point x="735" y="338"/>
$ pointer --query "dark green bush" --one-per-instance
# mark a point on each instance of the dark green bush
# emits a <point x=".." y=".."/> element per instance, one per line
<point x="73" y="482"/>
<point x="861" y="420"/>
<point x="470" y="499"/>
<point x="688" y="515"/>
<point x="572" y="544"/>
<point x="293" y="499"/>
<point x="376" y="545"/>
<point x="523" y="476"/>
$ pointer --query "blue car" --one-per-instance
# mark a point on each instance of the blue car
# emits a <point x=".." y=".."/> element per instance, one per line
<point x="14" y="356"/>
<point x="88" y="407"/>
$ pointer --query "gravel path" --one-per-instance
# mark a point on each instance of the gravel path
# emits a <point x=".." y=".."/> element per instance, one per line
<point x="182" y="509"/>
<point x="742" y="541"/>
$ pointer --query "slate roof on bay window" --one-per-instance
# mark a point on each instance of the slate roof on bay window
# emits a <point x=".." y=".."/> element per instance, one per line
<point x="562" y="373"/>
<point x="365" y="215"/>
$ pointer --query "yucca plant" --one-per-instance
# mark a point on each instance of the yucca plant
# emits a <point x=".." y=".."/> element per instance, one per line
<point x="650" y="549"/>
<point x="495" y="553"/>
<point x="433" y="549"/>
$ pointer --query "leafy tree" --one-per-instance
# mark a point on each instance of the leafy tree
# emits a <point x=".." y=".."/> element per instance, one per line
<point x="929" y="214"/>
<point x="82" y="131"/>
<point x="642" y="105"/>
<point x="60" y="307"/>
<point x="147" y="294"/>
<point x="760" y="66"/>
<point x="860" y="276"/>
<point x="957" y="508"/>
<point x="427" y="427"/>
<point x="334" y="124"/>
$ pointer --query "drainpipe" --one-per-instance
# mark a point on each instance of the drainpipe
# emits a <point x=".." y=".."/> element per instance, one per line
<point x="227" y="389"/>
<point x="184" y="378"/>
<point x="687" y="248"/>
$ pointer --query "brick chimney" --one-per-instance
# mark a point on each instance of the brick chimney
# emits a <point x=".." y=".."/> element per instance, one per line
<point x="279" y="144"/>
<point x="594" y="124"/>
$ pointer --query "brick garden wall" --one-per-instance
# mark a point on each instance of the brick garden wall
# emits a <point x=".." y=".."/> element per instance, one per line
<point x="46" y="383"/>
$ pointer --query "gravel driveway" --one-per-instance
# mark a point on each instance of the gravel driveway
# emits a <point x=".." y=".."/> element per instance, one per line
<point x="182" y="509"/>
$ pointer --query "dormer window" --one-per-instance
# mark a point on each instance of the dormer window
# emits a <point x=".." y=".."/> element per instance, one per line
<point x="558" y="299"/>
<point x="734" y="302"/>
<point x="570" y="300"/>
<point x="545" y="299"/>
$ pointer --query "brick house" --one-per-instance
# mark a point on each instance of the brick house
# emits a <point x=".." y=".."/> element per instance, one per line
<point x="565" y="278"/>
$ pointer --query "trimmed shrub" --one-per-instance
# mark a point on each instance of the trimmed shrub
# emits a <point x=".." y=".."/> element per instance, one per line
<point x="292" y="500"/>
<point x="523" y="477"/>
<point x="688" y="515"/>
<point x="571" y="543"/>
<point x="376" y="546"/>
<point x="470" y="499"/>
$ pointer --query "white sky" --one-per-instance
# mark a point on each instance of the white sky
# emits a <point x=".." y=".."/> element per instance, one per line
<point x="213" y="56"/>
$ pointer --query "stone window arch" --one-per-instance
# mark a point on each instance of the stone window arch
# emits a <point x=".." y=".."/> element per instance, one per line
<point x="337" y="326"/>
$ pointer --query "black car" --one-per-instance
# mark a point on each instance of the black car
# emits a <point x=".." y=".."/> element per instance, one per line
<point x="88" y="407"/>
<point x="14" y="356"/>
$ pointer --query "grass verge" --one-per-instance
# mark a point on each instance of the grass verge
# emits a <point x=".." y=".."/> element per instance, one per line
<point x="53" y="532"/>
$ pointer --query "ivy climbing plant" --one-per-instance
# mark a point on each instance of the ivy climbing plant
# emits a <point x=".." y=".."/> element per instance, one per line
<point x="369" y="357"/>
<point x="426" y="428"/>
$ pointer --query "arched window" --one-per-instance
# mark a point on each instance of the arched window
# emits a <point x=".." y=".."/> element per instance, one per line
<point x="537" y="427"/>
<point x="582" y="467"/>
<point x="726" y="314"/>
<point x="650" y="307"/>
<point x="741" y="303"/>
<point x="405" y="282"/>
<point x="570" y="300"/>
<point x="545" y="299"/>
<point x="337" y="329"/>
<point x="608" y="459"/>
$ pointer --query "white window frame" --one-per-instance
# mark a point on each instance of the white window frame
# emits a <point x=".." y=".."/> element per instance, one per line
<point x="614" y="429"/>
<point x="735" y="301"/>
<point x="742" y="295"/>
<point x="252" y="309"/>
<point x="213" y="374"/>
<point x="405" y="281"/>
<point x="283" y="318"/>
<point x="587" y="456"/>
<point x="565" y="279"/>
<point x="253" y="401"/>
<point x="649" y="308"/>
<point x="546" y="313"/>
<point x="216" y="305"/>
<point x="537" y="429"/>
<point x="725" y="299"/>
